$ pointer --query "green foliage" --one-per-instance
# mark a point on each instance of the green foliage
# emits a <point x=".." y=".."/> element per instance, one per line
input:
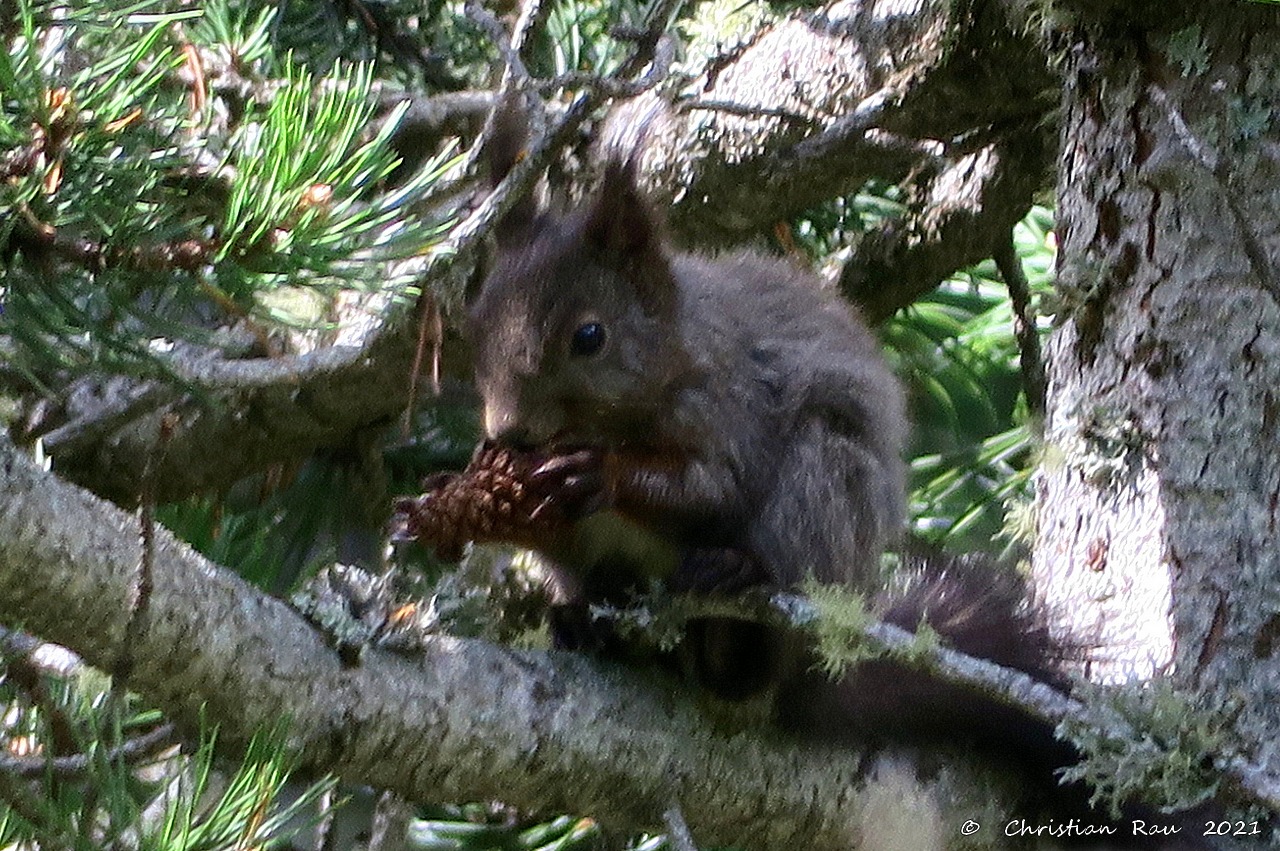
<point x="421" y="46"/>
<point x="143" y="201"/>
<point x="576" y="38"/>
<point x="278" y="528"/>
<point x="955" y="349"/>
<point x="307" y="138"/>
<point x="474" y="827"/>
<point x="85" y="130"/>
<point x="69" y="809"/>
<point x="718" y="27"/>
<point x="86" y="781"/>
<point x="1147" y="741"/>
<point x="246" y="814"/>
<point x="241" y="30"/>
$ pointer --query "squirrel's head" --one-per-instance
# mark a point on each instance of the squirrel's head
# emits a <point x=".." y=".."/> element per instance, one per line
<point x="576" y="328"/>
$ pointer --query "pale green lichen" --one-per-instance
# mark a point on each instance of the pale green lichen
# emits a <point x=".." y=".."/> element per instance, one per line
<point x="1019" y="525"/>
<point x="1186" y="48"/>
<point x="1108" y="446"/>
<point x="1147" y="741"/>
<point x="840" y="632"/>
<point x="840" y="629"/>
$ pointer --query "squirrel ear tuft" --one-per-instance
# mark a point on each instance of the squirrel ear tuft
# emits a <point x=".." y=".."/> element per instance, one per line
<point x="627" y="235"/>
<point x="508" y="144"/>
<point x="620" y="222"/>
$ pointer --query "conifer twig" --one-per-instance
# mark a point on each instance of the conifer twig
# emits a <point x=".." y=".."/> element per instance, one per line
<point x="1024" y="324"/>
<point x="132" y="751"/>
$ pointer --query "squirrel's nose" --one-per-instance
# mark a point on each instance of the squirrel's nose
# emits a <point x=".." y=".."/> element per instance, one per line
<point x="505" y="429"/>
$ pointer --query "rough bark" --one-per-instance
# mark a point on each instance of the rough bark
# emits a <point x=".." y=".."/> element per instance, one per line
<point x="947" y="98"/>
<point x="822" y="100"/>
<point x="243" y="416"/>
<point x="467" y="720"/>
<point x="1160" y="494"/>
<point x="957" y="220"/>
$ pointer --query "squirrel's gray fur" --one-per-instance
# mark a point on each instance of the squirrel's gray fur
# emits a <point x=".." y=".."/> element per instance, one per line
<point x="756" y="405"/>
<point x="751" y="432"/>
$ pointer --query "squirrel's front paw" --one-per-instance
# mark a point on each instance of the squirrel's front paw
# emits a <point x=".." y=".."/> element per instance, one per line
<point x="573" y="483"/>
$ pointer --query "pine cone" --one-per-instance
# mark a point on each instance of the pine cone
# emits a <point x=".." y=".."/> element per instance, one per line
<point x="525" y="498"/>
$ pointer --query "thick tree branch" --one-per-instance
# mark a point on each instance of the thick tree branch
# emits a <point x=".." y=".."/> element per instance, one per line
<point x="937" y="72"/>
<point x="957" y="217"/>
<point x="947" y="99"/>
<point x="252" y="413"/>
<point x="468" y="720"/>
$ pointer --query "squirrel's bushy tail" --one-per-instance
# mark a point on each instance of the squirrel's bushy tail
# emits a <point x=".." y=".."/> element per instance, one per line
<point x="983" y="610"/>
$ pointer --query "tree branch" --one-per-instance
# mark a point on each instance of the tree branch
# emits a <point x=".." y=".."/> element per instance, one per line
<point x="1034" y="383"/>
<point x="815" y="104"/>
<point x="133" y="751"/>
<point x="861" y="82"/>
<point x="954" y="220"/>
<point x="256" y="412"/>
<point x="467" y="721"/>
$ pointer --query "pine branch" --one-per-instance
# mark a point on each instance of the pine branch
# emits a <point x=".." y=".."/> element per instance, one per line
<point x="468" y="721"/>
<point x="1024" y="325"/>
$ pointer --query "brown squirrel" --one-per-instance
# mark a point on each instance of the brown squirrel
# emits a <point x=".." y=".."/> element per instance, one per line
<point x="715" y="424"/>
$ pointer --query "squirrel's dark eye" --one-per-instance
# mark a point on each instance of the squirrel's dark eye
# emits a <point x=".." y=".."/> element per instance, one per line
<point x="587" y="340"/>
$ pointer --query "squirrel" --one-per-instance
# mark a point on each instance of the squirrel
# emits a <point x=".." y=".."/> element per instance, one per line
<point x="714" y="424"/>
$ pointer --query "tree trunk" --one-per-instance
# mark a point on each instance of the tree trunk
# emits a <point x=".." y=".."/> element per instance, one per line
<point x="1159" y="493"/>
